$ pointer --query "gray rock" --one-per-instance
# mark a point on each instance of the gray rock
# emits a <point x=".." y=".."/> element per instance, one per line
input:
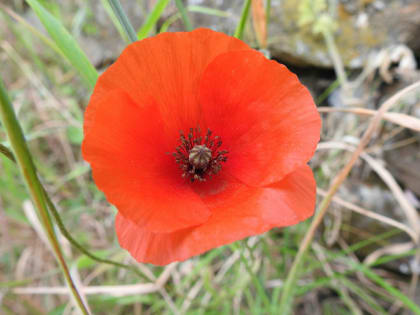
<point x="362" y="27"/>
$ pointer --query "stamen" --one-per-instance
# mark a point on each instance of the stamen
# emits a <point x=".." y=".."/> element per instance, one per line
<point x="199" y="157"/>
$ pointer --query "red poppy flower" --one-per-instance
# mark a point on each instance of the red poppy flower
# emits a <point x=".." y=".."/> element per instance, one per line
<point x="199" y="141"/>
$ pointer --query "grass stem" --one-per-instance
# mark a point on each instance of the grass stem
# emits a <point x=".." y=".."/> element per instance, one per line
<point x="184" y="15"/>
<point x="152" y="18"/>
<point x="336" y="59"/>
<point x="27" y="169"/>
<point x="123" y="19"/>
<point x="242" y="21"/>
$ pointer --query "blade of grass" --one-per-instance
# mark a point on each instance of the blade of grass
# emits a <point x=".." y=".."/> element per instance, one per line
<point x="327" y="92"/>
<point x="45" y="39"/>
<point x="184" y="15"/>
<point x="336" y="284"/>
<point x="200" y="266"/>
<point x="304" y="289"/>
<point x="360" y="292"/>
<point x="27" y="41"/>
<point x="123" y="19"/>
<point x="194" y="8"/>
<point x="115" y="21"/>
<point x="242" y="21"/>
<point x="152" y="18"/>
<point x="267" y="12"/>
<point x="315" y="264"/>
<point x="208" y="11"/>
<point x="28" y="172"/>
<point x="335" y="56"/>
<point x="353" y="248"/>
<point x="66" y="43"/>
<point x="259" y="287"/>
<point x="169" y="21"/>
<point x="385" y="285"/>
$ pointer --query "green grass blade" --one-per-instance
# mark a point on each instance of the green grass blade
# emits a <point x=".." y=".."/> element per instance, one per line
<point x="66" y="43"/>
<point x="115" y="21"/>
<point x="313" y="265"/>
<point x="184" y="15"/>
<point x="267" y="13"/>
<point x="152" y="18"/>
<point x="28" y="172"/>
<point x="123" y="20"/>
<point x="169" y="21"/>
<point x="385" y="285"/>
<point x="208" y="11"/>
<point x="45" y="39"/>
<point x="257" y="282"/>
<point x="323" y="281"/>
<point x="197" y="9"/>
<point x="360" y="292"/>
<point x="242" y="22"/>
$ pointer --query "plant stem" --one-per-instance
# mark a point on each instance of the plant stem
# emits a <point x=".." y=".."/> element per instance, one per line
<point x="184" y="15"/>
<point x="257" y="282"/>
<point x="267" y="13"/>
<point x="27" y="169"/>
<point x="335" y="56"/>
<point x="242" y="22"/>
<point x="290" y="283"/>
<point x="76" y="244"/>
<point x="123" y="19"/>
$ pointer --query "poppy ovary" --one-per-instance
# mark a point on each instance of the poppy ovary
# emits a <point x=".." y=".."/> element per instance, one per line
<point x="199" y="158"/>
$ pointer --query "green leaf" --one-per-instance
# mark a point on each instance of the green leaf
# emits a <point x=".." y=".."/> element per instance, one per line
<point x="152" y="18"/>
<point x="66" y="43"/>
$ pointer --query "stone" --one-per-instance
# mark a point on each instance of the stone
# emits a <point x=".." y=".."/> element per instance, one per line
<point x="362" y="26"/>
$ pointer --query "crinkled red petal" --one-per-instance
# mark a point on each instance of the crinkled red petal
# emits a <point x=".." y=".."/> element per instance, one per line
<point x="165" y="70"/>
<point x="238" y="211"/>
<point x="266" y="117"/>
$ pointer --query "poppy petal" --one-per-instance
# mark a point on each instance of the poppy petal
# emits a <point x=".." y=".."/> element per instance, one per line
<point x="238" y="211"/>
<point x="268" y="120"/>
<point x="166" y="70"/>
<point x="130" y="164"/>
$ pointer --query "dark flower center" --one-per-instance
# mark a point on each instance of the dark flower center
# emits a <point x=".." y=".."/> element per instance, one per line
<point x="199" y="157"/>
